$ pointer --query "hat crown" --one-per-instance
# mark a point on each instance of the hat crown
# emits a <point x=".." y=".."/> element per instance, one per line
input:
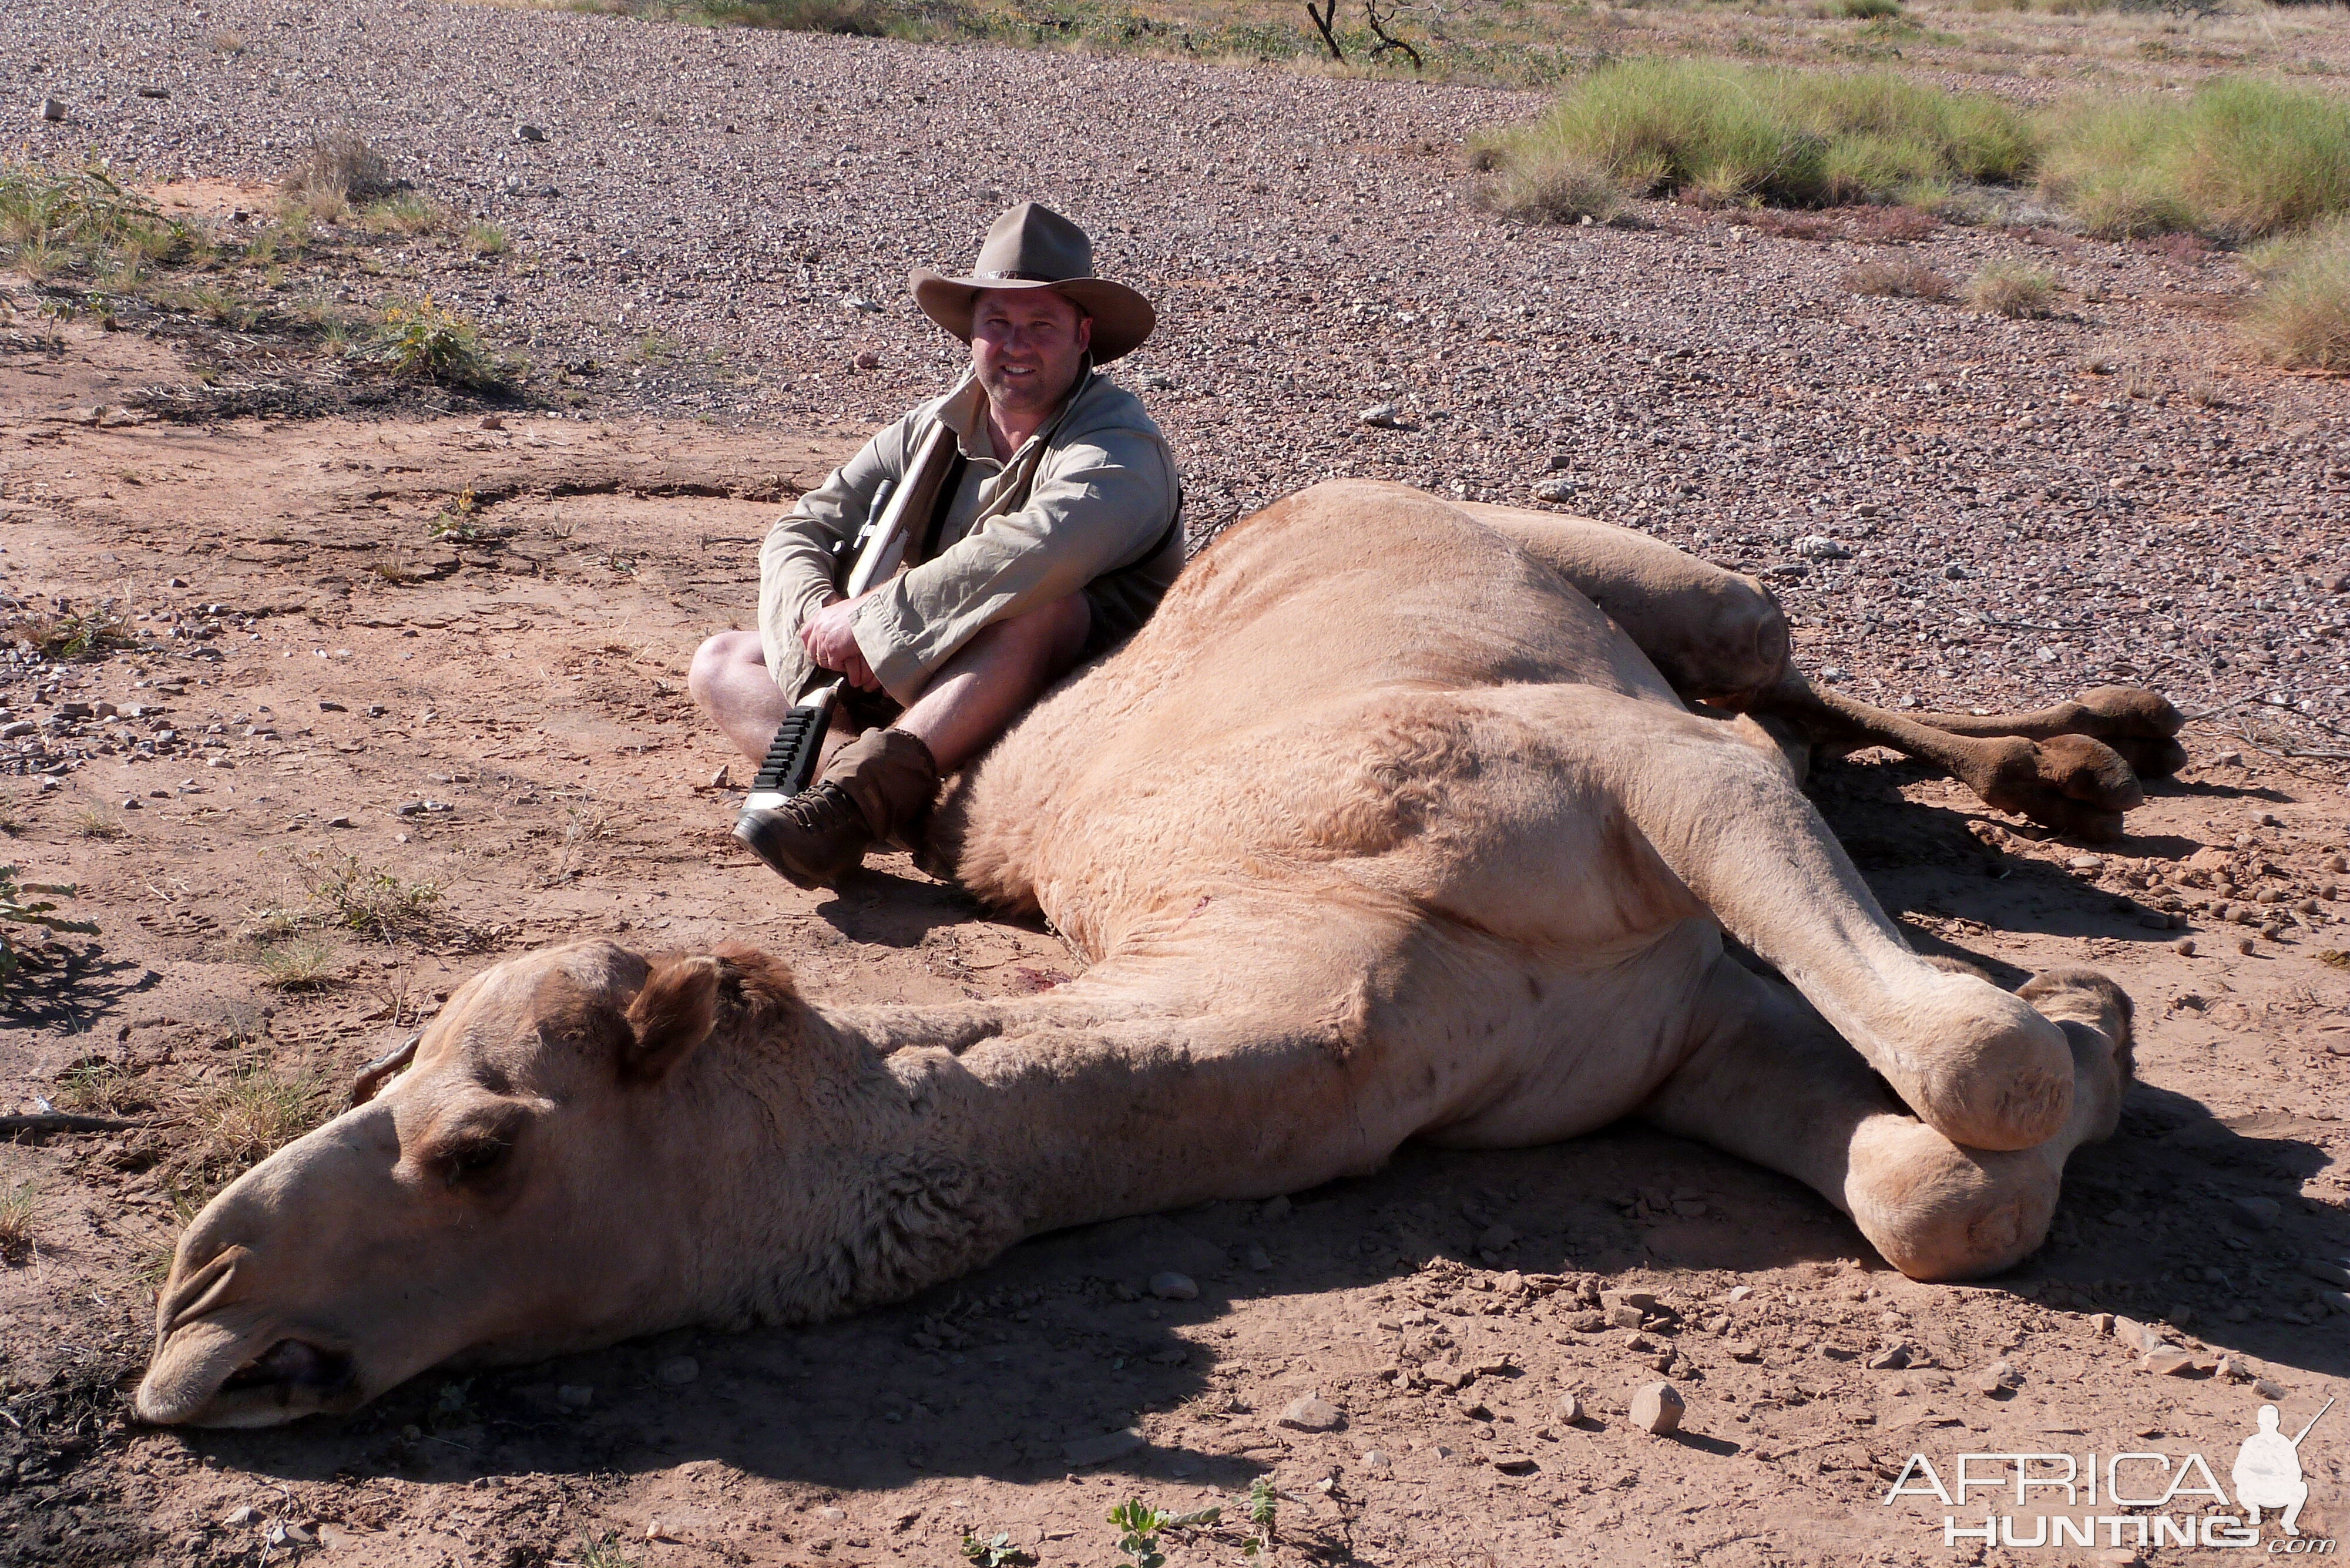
<point x="1033" y="243"/>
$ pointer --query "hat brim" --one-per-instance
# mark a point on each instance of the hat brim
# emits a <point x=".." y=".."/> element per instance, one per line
<point x="1122" y="318"/>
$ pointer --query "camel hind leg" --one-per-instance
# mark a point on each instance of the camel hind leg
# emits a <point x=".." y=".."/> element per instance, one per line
<point x="2139" y="724"/>
<point x="1771" y="1083"/>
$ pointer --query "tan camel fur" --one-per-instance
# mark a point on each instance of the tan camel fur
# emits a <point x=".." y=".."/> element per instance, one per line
<point x="1380" y="831"/>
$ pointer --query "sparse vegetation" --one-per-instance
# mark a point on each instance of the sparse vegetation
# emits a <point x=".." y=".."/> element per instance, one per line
<point x="363" y="898"/>
<point x="17" y="1201"/>
<point x="1558" y="190"/>
<point x="339" y="169"/>
<point x="53" y="221"/>
<point x="96" y="1088"/>
<point x="423" y="341"/>
<point x="298" y="963"/>
<point x="485" y="240"/>
<point x="2239" y="160"/>
<point x="2301" y="319"/>
<point x="2011" y="290"/>
<point x="247" y="1117"/>
<point x="1899" y="280"/>
<point x="81" y="634"/>
<point x="406" y="213"/>
<point x="602" y="1552"/>
<point x="31" y="905"/>
<point x="97" y="821"/>
<point x="996" y="1552"/>
<point x="1140" y="1526"/>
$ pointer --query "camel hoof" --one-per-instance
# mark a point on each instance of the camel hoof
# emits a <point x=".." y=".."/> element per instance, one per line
<point x="2131" y="712"/>
<point x="2074" y="785"/>
<point x="2149" y="758"/>
<point x="1996" y="1074"/>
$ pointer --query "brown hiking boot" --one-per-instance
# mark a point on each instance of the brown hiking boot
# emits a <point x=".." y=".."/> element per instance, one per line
<point x="878" y="787"/>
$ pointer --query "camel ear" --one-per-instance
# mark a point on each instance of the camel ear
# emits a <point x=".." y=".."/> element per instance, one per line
<point x="671" y="1015"/>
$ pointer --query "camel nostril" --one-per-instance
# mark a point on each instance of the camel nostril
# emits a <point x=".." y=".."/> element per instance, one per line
<point x="293" y="1364"/>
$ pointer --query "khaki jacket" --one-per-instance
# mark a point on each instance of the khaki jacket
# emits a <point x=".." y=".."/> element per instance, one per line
<point x="1088" y="504"/>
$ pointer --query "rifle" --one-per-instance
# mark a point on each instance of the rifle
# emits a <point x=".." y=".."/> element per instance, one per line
<point x="880" y="545"/>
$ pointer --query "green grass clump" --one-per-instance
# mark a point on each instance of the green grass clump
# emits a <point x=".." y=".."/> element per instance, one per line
<point x="1727" y="133"/>
<point x="2005" y="288"/>
<point x="424" y="341"/>
<point x="2239" y="160"/>
<point x="363" y="898"/>
<point x="2301" y="319"/>
<point x="17" y="1201"/>
<point x="54" y="220"/>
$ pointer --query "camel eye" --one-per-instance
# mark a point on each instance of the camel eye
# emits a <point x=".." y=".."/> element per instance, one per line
<point x="474" y="1159"/>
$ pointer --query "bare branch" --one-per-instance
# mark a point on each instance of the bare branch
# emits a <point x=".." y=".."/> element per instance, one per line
<point x="1322" y="20"/>
<point x="1385" y="40"/>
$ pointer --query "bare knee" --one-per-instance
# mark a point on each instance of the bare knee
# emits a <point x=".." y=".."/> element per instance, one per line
<point x="716" y="658"/>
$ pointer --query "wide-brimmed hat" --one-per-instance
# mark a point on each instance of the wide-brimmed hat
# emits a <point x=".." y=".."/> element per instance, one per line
<point x="1032" y="246"/>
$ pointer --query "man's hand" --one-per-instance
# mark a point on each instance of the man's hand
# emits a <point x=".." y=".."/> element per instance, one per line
<point x="831" y="643"/>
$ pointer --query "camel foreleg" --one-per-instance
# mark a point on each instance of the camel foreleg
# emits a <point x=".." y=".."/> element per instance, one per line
<point x="2137" y="723"/>
<point x="1771" y="1082"/>
<point x="2067" y="781"/>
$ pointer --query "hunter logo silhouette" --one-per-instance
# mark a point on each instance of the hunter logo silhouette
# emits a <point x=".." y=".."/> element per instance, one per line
<point x="2268" y="1470"/>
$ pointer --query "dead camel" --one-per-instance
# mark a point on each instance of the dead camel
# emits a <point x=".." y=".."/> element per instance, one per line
<point x="1381" y="830"/>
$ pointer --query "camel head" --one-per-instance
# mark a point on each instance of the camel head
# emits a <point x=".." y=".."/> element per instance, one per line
<point x="463" y="1211"/>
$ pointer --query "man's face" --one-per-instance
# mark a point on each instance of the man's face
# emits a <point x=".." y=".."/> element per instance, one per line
<point x="1025" y="347"/>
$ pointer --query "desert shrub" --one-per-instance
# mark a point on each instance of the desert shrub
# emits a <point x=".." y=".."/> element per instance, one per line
<point x="2301" y="319"/>
<point x="1727" y="133"/>
<point x="338" y="169"/>
<point x="361" y="897"/>
<point x="2239" y="159"/>
<point x="421" y="340"/>
<point x="1868" y="10"/>
<point x="1560" y="190"/>
<point x="1899" y="280"/>
<point x="2011" y="290"/>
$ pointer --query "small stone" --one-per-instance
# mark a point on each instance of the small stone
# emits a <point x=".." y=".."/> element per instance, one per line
<point x="832" y="1515"/>
<point x="1743" y="1350"/>
<point x="1568" y="1410"/>
<point x="2154" y="921"/>
<point x="2102" y="1322"/>
<point x="155" y="92"/>
<point x="1375" y="1460"/>
<point x="1997" y="1378"/>
<point x="529" y="133"/>
<point x="1956" y="573"/>
<point x="1312" y="1414"/>
<point x="240" y="1517"/>
<point x="1381" y="415"/>
<point x="867" y="359"/>
<point x="409" y="808"/>
<point x="2087" y="864"/>
<point x="1658" y="1408"/>
<point x="1513" y="1464"/>
<point x="1257" y="1258"/>
<point x="338" y="822"/>
<point x="859" y="302"/>
<point x="1556" y="490"/>
<point x="2184" y="946"/>
<point x="1820" y="547"/>
<point x="52" y="110"/>
<point x="724" y="778"/>
<point x="2246" y="946"/>
<point x="1558" y="461"/>
<point x="2330" y="1273"/>
<point x="1171" y="1286"/>
<point x="678" y="1371"/>
<point x="2268" y="1388"/>
<point x="2168" y="1362"/>
<point x="1473" y="1408"/>
<point x="1101" y="1450"/>
<point x="1624" y="1316"/>
<point x="2260" y="1212"/>
<point x="1892" y="1358"/>
<point x="575" y="1395"/>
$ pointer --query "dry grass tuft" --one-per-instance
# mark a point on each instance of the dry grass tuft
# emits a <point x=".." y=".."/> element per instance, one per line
<point x="17" y="1201"/>
<point x="298" y="963"/>
<point x="95" y="1087"/>
<point x="246" y="1117"/>
<point x="339" y="169"/>
<point x="97" y="821"/>
<point x="2301" y="319"/>
<point x="1557" y="191"/>
<point x="2006" y="288"/>
<point x="1899" y="280"/>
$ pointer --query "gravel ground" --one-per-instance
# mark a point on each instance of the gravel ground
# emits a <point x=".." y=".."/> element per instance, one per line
<point x="2030" y="507"/>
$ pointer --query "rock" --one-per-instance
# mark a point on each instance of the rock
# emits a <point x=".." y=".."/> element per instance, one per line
<point x="1646" y="1301"/>
<point x="1375" y="1460"/>
<point x="1892" y="1358"/>
<point x="1743" y="1350"/>
<point x="529" y="133"/>
<point x="1513" y="1464"/>
<point x="2246" y="946"/>
<point x="2087" y="864"/>
<point x="1568" y="1410"/>
<point x="2102" y="1322"/>
<point x="1625" y="1316"/>
<point x="724" y="777"/>
<point x="859" y="302"/>
<point x="867" y="359"/>
<point x="52" y="110"/>
<point x="2261" y="1212"/>
<point x="1473" y="1408"/>
<point x="2167" y="1361"/>
<point x="338" y="822"/>
<point x="1556" y="490"/>
<point x="1999" y="1378"/>
<point x="1312" y="1414"/>
<point x="155" y="92"/>
<point x="1381" y="415"/>
<point x="1493" y="1238"/>
<point x="2332" y="1273"/>
<point x="2184" y="946"/>
<point x="1658" y="1408"/>
<point x="1171" y="1286"/>
<point x="1101" y="1450"/>
<point x="1558" y="461"/>
<point x="1257" y="1258"/>
<point x="676" y="1371"/>
<point x="241" y="1517"/>
<point x="2269" y="1388"/>
<point x="1820" y="547"/>
<point x="575" y="1395"/>
<point x="1956" y="573"/>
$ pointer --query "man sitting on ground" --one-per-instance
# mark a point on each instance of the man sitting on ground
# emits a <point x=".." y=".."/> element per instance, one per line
<point x="1047" y="533"/>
